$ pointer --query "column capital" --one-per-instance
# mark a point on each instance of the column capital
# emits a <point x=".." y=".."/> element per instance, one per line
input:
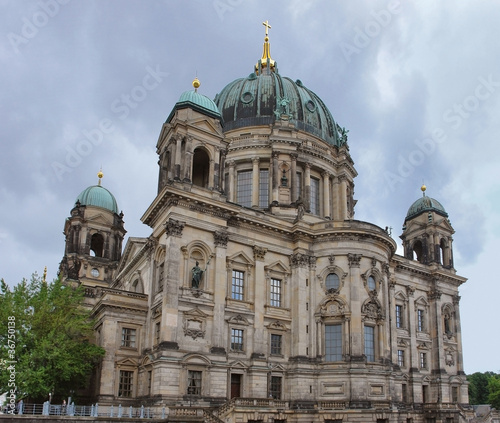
<point x="255" y="160"/>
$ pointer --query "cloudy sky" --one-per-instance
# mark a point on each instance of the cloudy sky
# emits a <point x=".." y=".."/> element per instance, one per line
<point x="86" y="84"/>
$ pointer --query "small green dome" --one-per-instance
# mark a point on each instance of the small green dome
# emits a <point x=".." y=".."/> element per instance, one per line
<point x="425" y="204"/>
<point x="98" y="196"/>
<point x="197" y="102"/>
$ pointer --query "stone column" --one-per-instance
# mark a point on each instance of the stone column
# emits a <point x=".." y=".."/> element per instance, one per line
<point x="222" y="170"/>
<point x="307" y="187"/>
<point x="343" y="197"/>
<point x="275" y="178"/>
<point x="260" y="300"/>
<point x="255" y="182"/>
<point x="326" y="194"/>
<point x="178" y="158"/>
<point x="435" y="328"/>
<point x="458" y="328"/>
<point x="293" y="177"/>
<point x="172" y="281"/>
<point x="219" y="334"/>
<point x="232" y="188"/>
<point x="216" y="175"/>
<point x="357" y="329"/>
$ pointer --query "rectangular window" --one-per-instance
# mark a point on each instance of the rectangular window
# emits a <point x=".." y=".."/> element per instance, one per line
<point x="244" y="188"/>
<point x="401" y="358"/>
<point x="150" y="379"/>
<point x="236" y="340"/>
<point x="264" y="189"/>
<point x="275" y="292"/>
<point x="237" y="285"/>
<point x="276" y="344"/>
<point x="399" y="316"/>
<point x="315" y="196"/>
<point x="125" y="384"/>
<point x="370" y="343"/>
<point x="404" y="391"/>
<point x="333" y="342"/>
<point x="157" y="332"/>
<point x="128" y="337"/>
<point x="275" y="387"/>
<point x="454" y="394"/>
<point x="194" y="382"/>
<point x="420" y="320"/>
<point x="423" y="360"/>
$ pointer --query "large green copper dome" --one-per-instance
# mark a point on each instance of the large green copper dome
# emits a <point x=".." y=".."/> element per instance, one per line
<point x="98" y="196"/>
<point x="261" y="99"/>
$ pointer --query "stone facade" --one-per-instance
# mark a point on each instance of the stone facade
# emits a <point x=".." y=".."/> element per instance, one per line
<point x="259" y="295"/>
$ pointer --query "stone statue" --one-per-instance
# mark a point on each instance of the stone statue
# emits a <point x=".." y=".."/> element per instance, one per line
<point x="197" y="274"/>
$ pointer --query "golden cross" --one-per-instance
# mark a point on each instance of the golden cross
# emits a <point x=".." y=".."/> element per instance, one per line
<point x="266" y="24"/>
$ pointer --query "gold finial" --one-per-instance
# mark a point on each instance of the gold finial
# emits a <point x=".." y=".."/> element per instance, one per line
<point x="265" y="62"/>
<point x="196" y="84"/>
<point x="423" y="188"/>
<point x="100" y="175"/>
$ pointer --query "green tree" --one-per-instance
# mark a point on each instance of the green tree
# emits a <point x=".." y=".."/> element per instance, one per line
<point x="51" y="333"/>
<point x="494" y="391"/>
<point x="478" y="387"/>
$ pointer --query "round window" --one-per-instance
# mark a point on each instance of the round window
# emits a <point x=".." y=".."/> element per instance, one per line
<point x="94" y="272"/>
<point x="247" y="97"/>
<point x="311" y="106"/>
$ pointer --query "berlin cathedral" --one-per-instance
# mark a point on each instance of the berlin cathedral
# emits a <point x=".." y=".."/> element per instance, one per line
<point x="258" y="297"/>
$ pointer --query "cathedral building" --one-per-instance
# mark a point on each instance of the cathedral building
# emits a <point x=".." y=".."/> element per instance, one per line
<point x="258" y="295"/>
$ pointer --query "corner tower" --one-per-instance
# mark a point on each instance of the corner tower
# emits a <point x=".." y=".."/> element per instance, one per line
<point x="94" y="234"/>
<point x="427" y="233"/>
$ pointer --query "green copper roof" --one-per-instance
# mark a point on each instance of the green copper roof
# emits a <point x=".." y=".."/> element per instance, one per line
<point x="197" y="102"/>
<point x="262" y="99"/>
<point x="98" y="196"/>
<point x="425" y="204"/>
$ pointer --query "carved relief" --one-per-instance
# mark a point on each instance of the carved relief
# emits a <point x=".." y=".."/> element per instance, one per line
<point x="354" y="259"/>
<point x="174" y="227"/>
<point x="194" y="323"/>
<point x="259" y="252"/>
<point x="221" y="238"/>
<point x="302" y="260"/>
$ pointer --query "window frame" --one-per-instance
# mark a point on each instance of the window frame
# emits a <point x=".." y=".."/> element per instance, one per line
<point x="275" y="381"/>
<point x="314" y="196"/>
<point x="241" y="285"/>
<point x="335" y="345"/>
<point x="129" y="337"/>
<point x="273" y="349"/>
<point x="401" y="358"/>
<point x="194" y="390"/>
<point x="275" y="292"/>
<point x="125" y="383"/>
<point x="237" y="334"/>
<point x="370" y="343"/>
<point x="264" y="189"/>
<point x="245" y="188"/>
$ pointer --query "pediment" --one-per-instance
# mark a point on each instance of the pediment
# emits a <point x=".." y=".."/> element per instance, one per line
<point x="277" y="325"/>
<point x="99" y="219"/>
<point x="194" y="358"/>
<point x="240" y="258"/>
<point x="127" y="362"/>
<point x="277" y="266"/>
<point x="238" y="320"/>
<point x="195" y="312"/>
<point x="238" y="364"/>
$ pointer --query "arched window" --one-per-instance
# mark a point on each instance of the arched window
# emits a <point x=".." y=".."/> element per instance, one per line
<point x="332" y="281"/>
<point x="96" y="245"/>
<point x="201" y="168"/>
<point x="418" y="251"/>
